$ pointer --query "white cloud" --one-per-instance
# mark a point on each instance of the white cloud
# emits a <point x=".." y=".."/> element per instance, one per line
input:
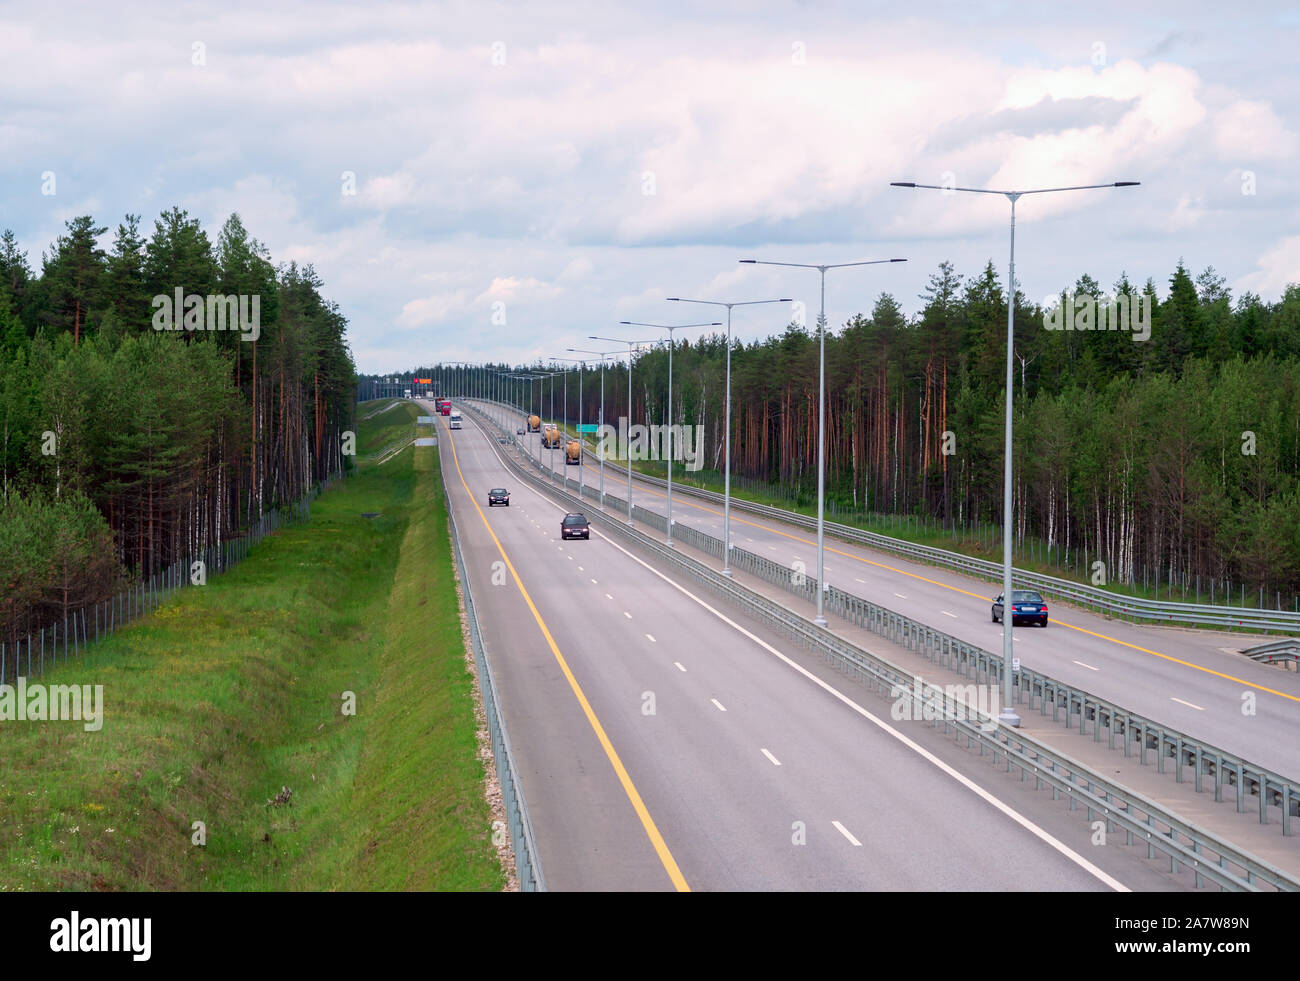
<point x="1247" y="131"/>
<point x="1278" y="267"/>
<point x="522" y="184"/>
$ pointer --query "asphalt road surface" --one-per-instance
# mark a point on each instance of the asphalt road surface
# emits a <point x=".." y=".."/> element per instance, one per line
<point x="665" y="743"/>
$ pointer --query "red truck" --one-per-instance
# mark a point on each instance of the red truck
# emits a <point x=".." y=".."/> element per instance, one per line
<point x="444" y="407"/>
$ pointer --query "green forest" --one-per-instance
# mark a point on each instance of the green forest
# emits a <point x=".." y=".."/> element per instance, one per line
<point x="124" y="447"/>
<point x="1167" y="458"/>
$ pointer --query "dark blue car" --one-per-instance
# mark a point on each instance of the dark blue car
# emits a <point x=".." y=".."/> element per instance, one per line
<point x="1027" y="606"/>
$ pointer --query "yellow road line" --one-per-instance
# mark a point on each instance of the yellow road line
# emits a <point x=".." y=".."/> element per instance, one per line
<point x="967" y="592"/>
<point x="647" y="822"/>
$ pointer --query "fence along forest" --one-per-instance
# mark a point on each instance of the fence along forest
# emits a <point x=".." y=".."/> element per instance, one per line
<point x="1167" y="459"/>
<point x="124" y="448"/>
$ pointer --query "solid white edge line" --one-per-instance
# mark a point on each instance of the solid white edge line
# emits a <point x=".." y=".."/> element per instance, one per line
<point x="1088" y="666"/>
<point x="1188" y="704"/>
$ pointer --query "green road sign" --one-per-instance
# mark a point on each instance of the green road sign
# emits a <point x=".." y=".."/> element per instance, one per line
<point x="588" y="427"/>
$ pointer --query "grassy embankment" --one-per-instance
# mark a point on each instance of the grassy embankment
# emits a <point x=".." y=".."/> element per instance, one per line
<point x="235" y="690"/>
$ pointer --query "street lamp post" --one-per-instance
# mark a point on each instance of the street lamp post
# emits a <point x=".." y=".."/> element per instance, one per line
<point x="670" y="329"/>
<point x="821" y="416"/>
<point x="631" y="347"/>
<point x="582" y="366"/>
<point x="602" y="355"/>
<point x="519" y="443"/>
<point x="726" y="480"/>
<point x="1008" y="715"/>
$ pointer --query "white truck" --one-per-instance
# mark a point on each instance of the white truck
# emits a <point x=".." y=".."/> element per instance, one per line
<point x="454" y="419"/>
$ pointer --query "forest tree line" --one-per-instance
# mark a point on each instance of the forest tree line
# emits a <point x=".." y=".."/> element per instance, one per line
<point x="1174" y="455"/>
<point x="123" y="447"/>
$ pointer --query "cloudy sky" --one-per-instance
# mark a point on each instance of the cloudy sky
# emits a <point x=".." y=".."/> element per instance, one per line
<point x="498" y="181"/>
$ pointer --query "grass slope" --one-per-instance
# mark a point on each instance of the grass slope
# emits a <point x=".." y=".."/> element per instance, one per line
<point x="235" y="690"/>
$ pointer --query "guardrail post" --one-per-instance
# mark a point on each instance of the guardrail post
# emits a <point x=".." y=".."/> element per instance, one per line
<point x="1241" y="789"/>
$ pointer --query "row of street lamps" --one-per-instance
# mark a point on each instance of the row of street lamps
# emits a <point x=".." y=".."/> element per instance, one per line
<point x="1008" y="714"/>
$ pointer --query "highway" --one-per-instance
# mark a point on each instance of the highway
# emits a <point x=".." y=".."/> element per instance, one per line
<point x="1186" y="678"/>
<point x="664" y="744"/>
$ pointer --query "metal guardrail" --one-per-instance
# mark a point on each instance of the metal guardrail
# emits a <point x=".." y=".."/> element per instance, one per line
<point x="1280" y="651"/>
<point x="1143" y="820"/>
<point x="1090" y="597"/>
<point x="381" y="456"/>
<point x="1141" y="735"/>
<point x="521" y="830"/>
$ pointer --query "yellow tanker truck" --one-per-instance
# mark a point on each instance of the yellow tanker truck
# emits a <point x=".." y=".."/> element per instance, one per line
<point x="573" y="453"/>
<point x="534" y="423"/>
<point x="550" y="437"/>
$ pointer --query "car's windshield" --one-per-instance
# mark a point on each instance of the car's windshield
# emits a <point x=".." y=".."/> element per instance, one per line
<point x="574" y="519"/>
<point x="497" y="490"/>
<point x="1025" y="596"/>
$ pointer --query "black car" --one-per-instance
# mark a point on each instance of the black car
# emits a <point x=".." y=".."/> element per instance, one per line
<point x="1027" y="606"/>
<point x="575" y="526"/>
<point x="519" y="432"/>
<point x="498" y="495"/>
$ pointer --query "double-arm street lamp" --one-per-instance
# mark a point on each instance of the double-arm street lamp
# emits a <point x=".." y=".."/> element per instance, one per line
<point x="726" y="485"/>
<point x="1008" y="715"/>
<point x="821" y="415"/>
<point x="631" y="349"/>
<point x="602" y="355"/>
<point x="528" y="408"/>
<point x="670" y="329"/>
<point x="582" y="368"/>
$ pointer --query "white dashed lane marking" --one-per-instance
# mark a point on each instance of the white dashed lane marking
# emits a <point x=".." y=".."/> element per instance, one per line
<point x="845" y="832"/>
